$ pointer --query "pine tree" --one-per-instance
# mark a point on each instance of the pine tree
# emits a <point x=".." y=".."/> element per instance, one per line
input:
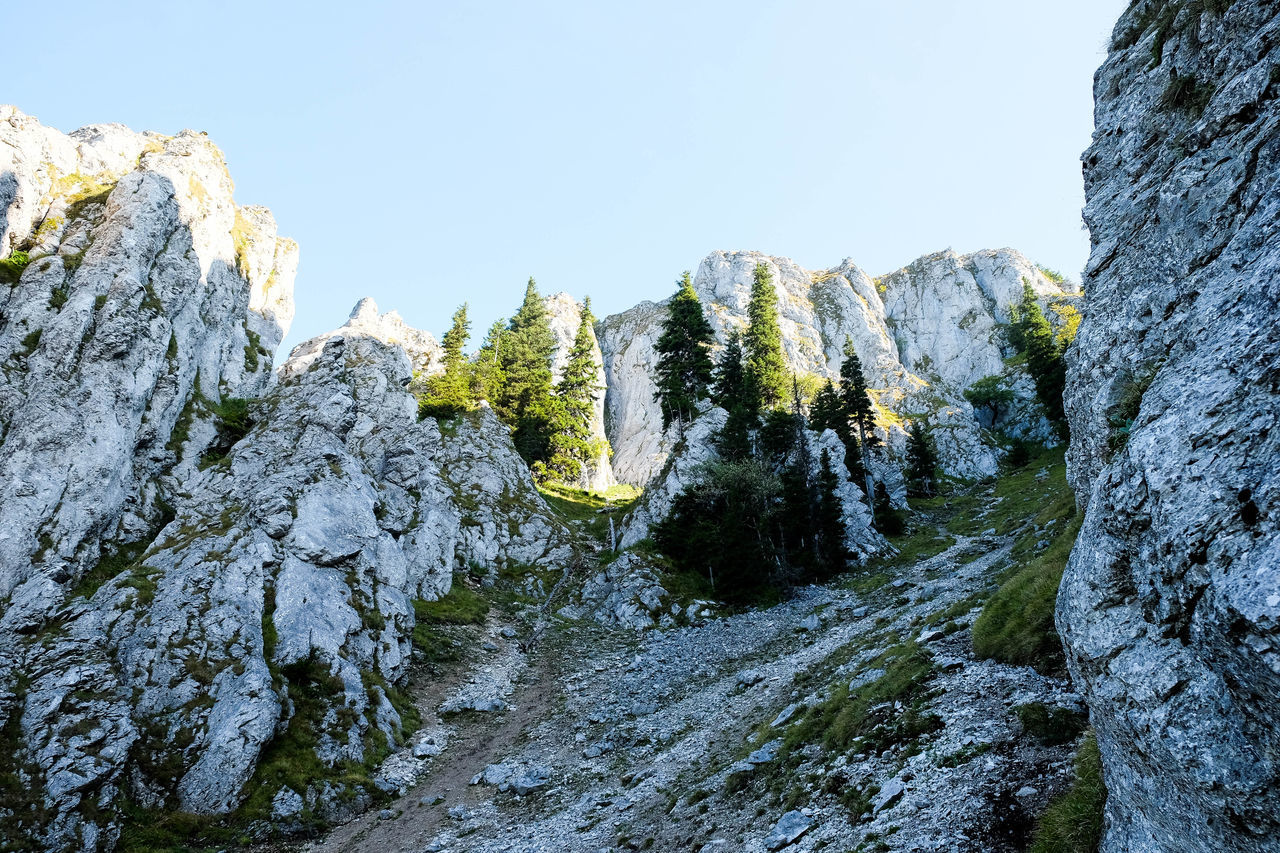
<point x="887" y="518"/>
<point x="766" y="368"/>
<point x="571" y="443"/>
<point x="451" y="392"/>
<point x="684" y="356"/>
<point x="1045" y="363"/>
<point x="833" y="554"/>
<point x="487" y="379"/>
<point x="1019" y="316"/>
<point x="922" y="461"/>
<point x="732" y="394"/>
<point x="857" y="408"/>
<point x="525" y="401"/>
<point x="989" y="393"/>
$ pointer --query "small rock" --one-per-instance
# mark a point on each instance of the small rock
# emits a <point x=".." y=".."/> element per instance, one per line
<point x="1026" y="791"/>
<point x="788" y="830"/>
<point x="930" y="636"/>
<point x="888" y="795"/>
<point x="766" y="753"/>
<point x="811" y="623"/>
<point x="386" y="814"/>
<point x="785" y="714"/>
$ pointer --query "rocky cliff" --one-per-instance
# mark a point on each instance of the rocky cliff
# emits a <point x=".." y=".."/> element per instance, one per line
<point x="924" y="333"/>
<point x="1170" y="607"/>
<point x="203" y="569"/>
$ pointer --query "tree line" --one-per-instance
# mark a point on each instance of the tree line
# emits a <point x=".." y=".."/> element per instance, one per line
<point x="550" y="421"/>
<point x="766" y="512"/>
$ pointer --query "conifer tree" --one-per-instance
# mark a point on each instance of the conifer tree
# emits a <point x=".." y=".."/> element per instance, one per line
<point x="833" y="554"/>
<point x="857" y="408"/>
<point x="766" y="368"/>
<point x="732" y="394"/>
<point x="525" y="401"/>
<point x="486" y="369"/>
<point x="451" y="392"/>
<point x="1019" y="316"/>
<point x="571" y="443"/>
<point x="1045" y="362"/>
<point x="922" y="461"/>
<point x="684" y="356"/>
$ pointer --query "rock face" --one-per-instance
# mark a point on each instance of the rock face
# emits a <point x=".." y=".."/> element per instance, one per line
<point x="202" y="567"/>
<point x="924" y="333"/>
<point x="1170" y="606"/>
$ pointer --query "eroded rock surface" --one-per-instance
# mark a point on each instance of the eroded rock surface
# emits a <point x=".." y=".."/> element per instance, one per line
<point x="1170" y="607"/>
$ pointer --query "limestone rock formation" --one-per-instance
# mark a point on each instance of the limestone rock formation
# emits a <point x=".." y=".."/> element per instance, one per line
<point x="1170" y="606"/>
<point x="199" y="565"/>
<point x="924" y="333"/>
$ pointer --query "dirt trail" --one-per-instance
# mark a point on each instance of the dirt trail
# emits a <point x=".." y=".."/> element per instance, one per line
<point x="478" y="740"/>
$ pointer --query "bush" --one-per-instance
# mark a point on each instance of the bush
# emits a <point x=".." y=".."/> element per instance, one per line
<point x="233" y="423"/>
<point x="1073" y="822"/>
<point x="11" y="267"/>
<point x="1051" y="726"/>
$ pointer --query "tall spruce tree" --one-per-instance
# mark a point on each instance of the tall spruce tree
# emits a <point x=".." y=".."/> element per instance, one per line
<point x="1045" y="363"/>
<point x="766" y="368"/>
<point x="731" y="393"/>
<point x="487" y="379"/>
<point x="858" y="409"/>
<point x="451" y="392"/>
<point x="525" y="400"/>
<point x="922" y="461"/>
<point x="684" y="356"/>
<point x="832" y="552"/>
<point x="571" y="444"/>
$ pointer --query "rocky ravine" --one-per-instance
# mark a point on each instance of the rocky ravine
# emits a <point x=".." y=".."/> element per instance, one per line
<point x="1170" y="608"/>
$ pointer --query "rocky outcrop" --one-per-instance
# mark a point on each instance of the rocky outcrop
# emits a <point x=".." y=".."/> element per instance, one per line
<point x="924" y="333"/>
<point x="564" y="314"/>
<point x="148" y="292"/>
<point x="207" y="574"/>
<point x="1170" y="606"/>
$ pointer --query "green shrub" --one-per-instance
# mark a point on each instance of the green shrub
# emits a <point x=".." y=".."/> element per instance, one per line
<point x="11" y="267"/>
<point x="30" y="341"/>
<point x="233" y="423"/>
<point x="1016" y="625"/>
<point x="1186" y="92"/>
<point x="1073" y="822"/>
<point x="1051" y="726"/>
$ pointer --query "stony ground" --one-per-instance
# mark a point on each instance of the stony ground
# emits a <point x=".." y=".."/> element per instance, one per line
<point x="703" y="736"/>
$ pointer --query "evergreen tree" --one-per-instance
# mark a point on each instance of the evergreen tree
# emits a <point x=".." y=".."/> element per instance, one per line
<point x="922" y="461"/>
<point x="451" y="392"/>
<point x="571" y="443"/>
<point x="832" y="553"/>
<point x="720" y="527"/>
<point x="857" y="408"/>
<point x="766" y="368"/>
<point x="1045" y="363"/>
<point x="888" y="520"/>
<point x="1019" y="316"/>
<point x="826" y="410"/>
<point x="989" y="393"/>
<point x="487" y="378"/>
<point x="684" y="356"/>
<point x="732" y="394"/>
<point x="525" y="401"/>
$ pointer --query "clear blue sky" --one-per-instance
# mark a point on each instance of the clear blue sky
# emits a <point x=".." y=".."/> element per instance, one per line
<point x="427" y="153"/>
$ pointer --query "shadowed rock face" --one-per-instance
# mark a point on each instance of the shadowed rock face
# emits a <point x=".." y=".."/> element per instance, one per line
<point x="924" y="333"/>
<point x="1170" y="606"/>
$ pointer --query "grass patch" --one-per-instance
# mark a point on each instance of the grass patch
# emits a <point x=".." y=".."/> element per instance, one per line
<point x="1016" y="625"/>
<point x="593" y="510"/>
<point x="461" y="606"/>
<point x="1073" y="822"/>
<point x="871" y="714"/>
<point x="233" y="423"/>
